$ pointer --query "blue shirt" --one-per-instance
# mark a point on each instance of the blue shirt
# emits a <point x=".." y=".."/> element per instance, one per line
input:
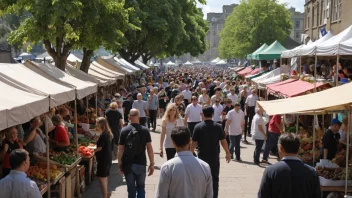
<point x="16" y="184"/>
<point x="141" y="106"/>
<point x="153" y="103"/>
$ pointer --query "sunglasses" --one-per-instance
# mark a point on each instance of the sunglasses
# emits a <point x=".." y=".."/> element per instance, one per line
<point x="194" y="98"/>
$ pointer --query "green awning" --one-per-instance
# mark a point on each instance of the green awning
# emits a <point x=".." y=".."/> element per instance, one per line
<point x="256" y="75"/>
<point x="262" y="48"/>
<point x="271" y="53"/>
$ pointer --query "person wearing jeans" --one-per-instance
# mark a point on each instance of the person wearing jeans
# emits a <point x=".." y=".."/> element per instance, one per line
<point x="250" y="111"/>
<point x="136" y="181"/>
<point x="258" y="133"/>
<point x="234" y="127"/>
<point x="274" y="133"/>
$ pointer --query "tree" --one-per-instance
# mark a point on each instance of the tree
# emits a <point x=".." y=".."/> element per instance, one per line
<point x="252" y="23"/>
<point x="61" y="24"/>
<point x="167" y="27"/>
<point x="104" y="26"/>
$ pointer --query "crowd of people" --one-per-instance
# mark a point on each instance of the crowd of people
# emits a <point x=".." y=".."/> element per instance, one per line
<point x="202" y="109"/>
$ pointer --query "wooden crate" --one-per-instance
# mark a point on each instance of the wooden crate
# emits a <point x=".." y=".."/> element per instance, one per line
<point x="59" y="190"/>
<point x="82" y="181"/>
<point x="71" y="182"/>
<point x="88" y="163"/>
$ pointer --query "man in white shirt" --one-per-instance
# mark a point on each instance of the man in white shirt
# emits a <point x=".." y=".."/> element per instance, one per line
<point x="193" y="114"/>
<point x="184" y="175"/>
<point x="234" y="128"/>
<point x="232" y="96"/>
<point x="250" y="111"/>
<point x="17" y="184"/>
<point x="217" y="111"/>
<point x="222" y="85"/>
<point x="258" y="131"/>
<point x="187" y="95"/>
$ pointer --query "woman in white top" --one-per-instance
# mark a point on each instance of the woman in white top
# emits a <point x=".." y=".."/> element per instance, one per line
<point x="171" y="120"/>
<point x="204" y="98"/>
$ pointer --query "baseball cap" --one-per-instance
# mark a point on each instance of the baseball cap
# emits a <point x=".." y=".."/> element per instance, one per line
<point x="336" y="121"/>
<point x="117" y="95"/>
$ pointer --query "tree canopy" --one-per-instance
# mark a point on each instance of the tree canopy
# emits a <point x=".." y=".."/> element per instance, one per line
<point x="252" y="23"/>
<point x="168" y="27"/>
<point x="67" y="24"/>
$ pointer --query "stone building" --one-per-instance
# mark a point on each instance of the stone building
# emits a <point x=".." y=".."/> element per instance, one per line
<point x="297" y="25"/>
<point x="333" y="15"/>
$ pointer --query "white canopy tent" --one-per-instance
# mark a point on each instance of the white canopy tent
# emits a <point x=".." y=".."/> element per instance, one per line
<point x="310" y="49"/>
<point x="137" y="62"/>
<point x="216" y="60"/>
<point x="44" y="55"/>
<point x="18" y="106"/>
<point x="291" y="53"/>
<point x="36" y="83"/>
<point x="221" y="62"/>
<point x="270" y="74"/>
<point x="113" y="65"/>
<point x="73" y="59"/>
<point x="346" y="47"/>
<point x="83" y="76"/>
<point x="126" y="64"/>
<point x="156" y="64"/>
<point x="101" y="68"/>
<point x="262" y="83"/>
<point x="170" y="63"/>
<point x="83" y="88"/>
<point x="331" y="46"/>
<point x="188" y="63"/>
<point x="101" y="77"/>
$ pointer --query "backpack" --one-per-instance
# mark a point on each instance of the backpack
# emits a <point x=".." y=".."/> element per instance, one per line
<point x="132" y="147"/>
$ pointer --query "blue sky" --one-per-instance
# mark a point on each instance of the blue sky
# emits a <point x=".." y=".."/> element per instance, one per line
<point x="216" y="5"/>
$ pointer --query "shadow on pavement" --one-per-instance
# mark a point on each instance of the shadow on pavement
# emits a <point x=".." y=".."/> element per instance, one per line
<point x="115" y="180"/>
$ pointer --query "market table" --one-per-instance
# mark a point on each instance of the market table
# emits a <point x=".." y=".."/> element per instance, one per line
<point x="335" y="188"/>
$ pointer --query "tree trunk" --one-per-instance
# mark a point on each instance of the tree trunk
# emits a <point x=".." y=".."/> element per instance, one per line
<point x="87" y="54"/>
<point x="61" y="62"/>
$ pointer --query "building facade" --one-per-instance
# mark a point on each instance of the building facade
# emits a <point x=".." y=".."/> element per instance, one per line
<point x="297" y="25"/>
<point x="333" y="15"/>
<point x="216" y="23"/>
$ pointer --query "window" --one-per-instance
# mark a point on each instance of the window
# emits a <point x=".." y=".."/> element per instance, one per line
<point x="339" y="11"/>
<point x="298" y="24"/>
<point x="296" y="35"/>
<point x="322" y="11"/>
<point x="313" y="16"/>
<point x="307" y="17"/>
<point x="334" y="10"/>
<point x="318" y="15"/>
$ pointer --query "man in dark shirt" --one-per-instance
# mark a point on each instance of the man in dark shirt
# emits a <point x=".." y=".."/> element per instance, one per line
<point x="127" y="106"/>
<point x="206" y="136"/>
<point x="135" y="179"/>
<point x="226" y="109"/>
<point x="289" y="178"/>
<point x="331" y="140"/>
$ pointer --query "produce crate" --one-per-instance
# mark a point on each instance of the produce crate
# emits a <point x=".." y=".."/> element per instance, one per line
<point x="88" y="163"/>
<point x="44" y="190"/>
<point x="65" y="166"/>
<point x="59" y="190"/>
<point x="329" y="182"/>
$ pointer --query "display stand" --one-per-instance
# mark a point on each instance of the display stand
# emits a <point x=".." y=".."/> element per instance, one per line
<point x="89" y="161"/>
<point x="335" y="189"/>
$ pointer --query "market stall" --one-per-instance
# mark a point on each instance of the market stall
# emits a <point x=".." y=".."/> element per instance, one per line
<point x="126" y="64"/>
<point x="84" y="76"/>
<point x="270" y="53"/>
<point x="113" y="65"/>
<point x="253" y="72"/>
<point x="141" y="64"/>
<point x="245" y="71"/>
<point x="260" y="49"/>
<point x="270" y="74"/>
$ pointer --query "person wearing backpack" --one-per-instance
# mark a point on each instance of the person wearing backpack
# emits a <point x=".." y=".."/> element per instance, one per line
<point x="134" y="141"/>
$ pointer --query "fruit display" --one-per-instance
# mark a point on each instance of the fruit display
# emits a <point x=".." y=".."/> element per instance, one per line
<point x="306" y="151"/>
<point x="340" y="157"/>
<point x="63" y="158"/>
<point x="333" y="173"/>
<point x="84" y="141"/>
<point x="39" y="171"/>
<point x="41" y="184"/>
<point x="86" y="152"/>
<point x="87" y="134"/>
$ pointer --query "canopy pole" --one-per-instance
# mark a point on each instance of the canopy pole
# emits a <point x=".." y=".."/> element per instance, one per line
<point x="96" y="104"/>
<point x="315" y="73"/>
<point x="297" y="123"/>
<point x="314" y="141"/>
<point x="76" y="128"/>
<point x="47" y="155"/>
<point x="347" y="149"/>
<point x="300" y="65"/>
<point x="337" y="70"/>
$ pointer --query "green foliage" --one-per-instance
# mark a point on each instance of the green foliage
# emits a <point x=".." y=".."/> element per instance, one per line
<point x="4" y="34"/>
<point x="252" y="23"/>
<point x="167" y="27"/>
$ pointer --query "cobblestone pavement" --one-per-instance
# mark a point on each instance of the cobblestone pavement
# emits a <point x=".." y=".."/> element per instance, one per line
<point x="237" y="180"/>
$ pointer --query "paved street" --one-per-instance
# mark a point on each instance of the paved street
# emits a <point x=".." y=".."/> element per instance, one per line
<point x="237" y="180"/>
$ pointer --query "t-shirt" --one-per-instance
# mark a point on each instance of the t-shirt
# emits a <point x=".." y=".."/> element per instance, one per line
<point x="256" y="133"/>
<point x="144" y="135"/>
<point x="104" y="156"/>
<point x="194" y="113"/>
<point x="127" y="104"/>
<point x="272" y="126"/>
<point x="330" y="142"/>
<point x="237" y="118"/>
<point x="217" y="113"/>
<point x="37" y="145"/>
<point x="113" y="117"/>
<point x="61" y="134"/>
<point x="12" y="146"/>
<point x="208" y="134"/>
<point x="169" y="126"/>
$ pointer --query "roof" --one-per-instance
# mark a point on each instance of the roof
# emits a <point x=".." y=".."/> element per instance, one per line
<point x="271" y="52"/>
<point x="261" y="48"/>
<point x="333" y="99"/>
<point x="245" y="71"/>
<point x="294" y="88"/>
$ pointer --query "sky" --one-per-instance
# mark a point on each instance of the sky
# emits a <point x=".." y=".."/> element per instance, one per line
<point x="216" y="5"/>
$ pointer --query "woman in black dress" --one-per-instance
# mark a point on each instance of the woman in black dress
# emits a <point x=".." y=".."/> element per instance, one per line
<point x="103" y="155"/>
<point x="162" y="101"/>
<point x="115" y="121"/>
